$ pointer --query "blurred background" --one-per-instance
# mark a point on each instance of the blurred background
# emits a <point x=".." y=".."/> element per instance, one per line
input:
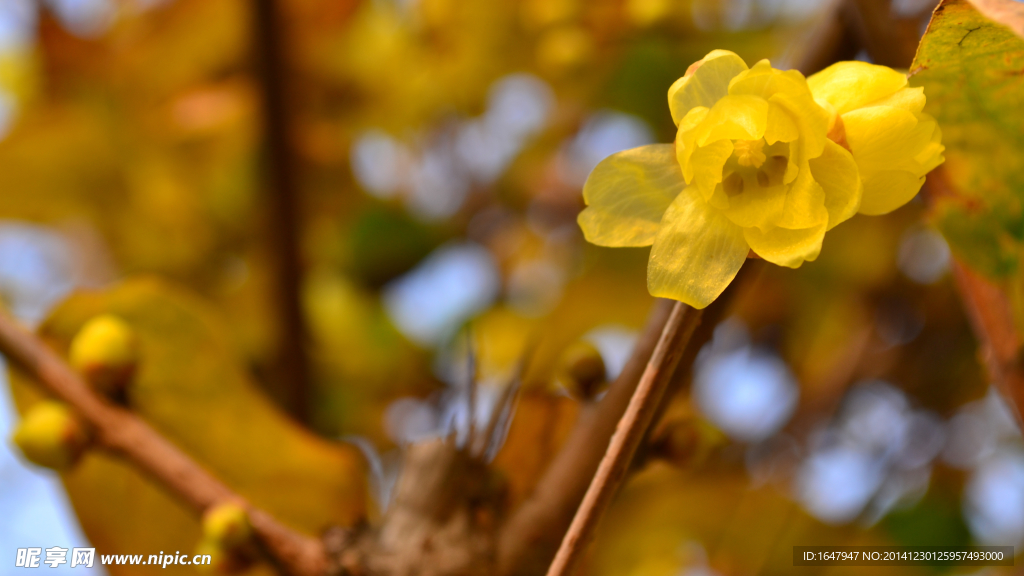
<point x="361" y="191"/>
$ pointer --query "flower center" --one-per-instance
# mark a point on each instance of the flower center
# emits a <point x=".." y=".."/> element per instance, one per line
<point x="749" y="153"/>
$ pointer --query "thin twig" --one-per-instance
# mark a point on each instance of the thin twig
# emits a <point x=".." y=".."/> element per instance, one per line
<point x="529" y="538"/>
<point x="746" y="279"/>
<point x="631" y="429"/>
<point x="125" y="434"/>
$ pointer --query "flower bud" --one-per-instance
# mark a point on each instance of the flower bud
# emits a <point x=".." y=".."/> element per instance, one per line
<point x="583" y="370"/>
<point x="105" y="352"/>
<point x="227" y="525"/>
<point x="51" y="435"/>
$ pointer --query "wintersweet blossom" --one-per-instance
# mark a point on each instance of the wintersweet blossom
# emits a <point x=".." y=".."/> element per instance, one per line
<point x="875" y="115"/>
<point x="764" y="160"/>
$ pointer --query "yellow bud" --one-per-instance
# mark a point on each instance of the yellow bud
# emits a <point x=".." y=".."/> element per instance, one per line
<point x="51" y="435"/>
<point x="227" y="524"/>
<point x="105" y="352"/>
<point x="583" y="371"/>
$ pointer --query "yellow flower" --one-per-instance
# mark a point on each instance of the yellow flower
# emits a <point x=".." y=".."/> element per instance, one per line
<point x="759" y="164"/>
<point x="879" y="119"/>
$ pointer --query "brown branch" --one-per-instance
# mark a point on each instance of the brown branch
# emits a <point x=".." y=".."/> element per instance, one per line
<point x="628" y="434"/>
<point x="284" y="212"/>
<point x="125" y="434"/>
<point x="532" y="535"/>
<point x="746" y="279"/>
<point x="528" y="539"/>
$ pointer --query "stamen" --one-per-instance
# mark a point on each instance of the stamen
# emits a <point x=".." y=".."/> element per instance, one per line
<point x="749" y="153"/>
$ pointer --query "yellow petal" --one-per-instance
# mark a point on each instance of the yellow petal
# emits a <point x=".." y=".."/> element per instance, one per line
<point x="757" y="206"/>
<point x="909" y="99"/>
<point x="838" y="176"/>
<point x="626" y="195"/>
<point x="786" y="247"/>
<point x="883" y="138"/>
<point x="685" y="139"/>
<point x="752" y="80"/>
<point x="805" y="203"/>
<point x="697" y="253"/>
<point x="851" y="85"/>
<point x="781" y="126"/>
<point x="811" y="119"/>
<point x="707" y="164"/>
<point x="793" y="164"/>
<point x="705" y="83"/>
<point x="887" y="191"/>
<point x="789" y="92"/>
<point x="733" y="118"/>
<point x="931" y="155"/>
<point x="764" y="81"/>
